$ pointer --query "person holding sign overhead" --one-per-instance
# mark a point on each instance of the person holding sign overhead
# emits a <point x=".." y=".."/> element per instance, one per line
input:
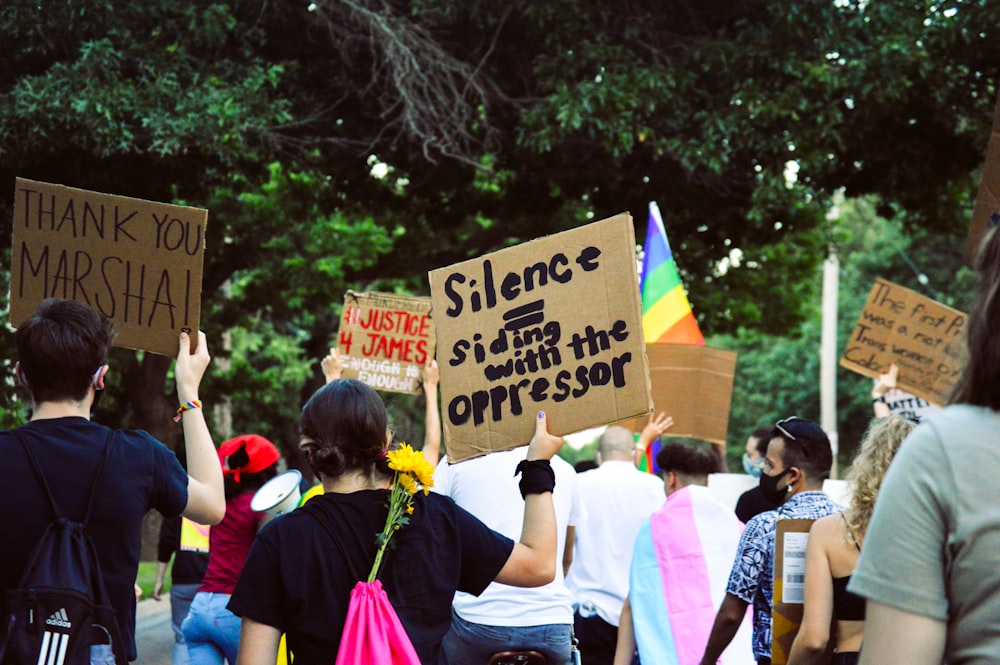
<point x="929" y="565"/>
<point x="62" y="353"/>
<point x="301" y="568"/>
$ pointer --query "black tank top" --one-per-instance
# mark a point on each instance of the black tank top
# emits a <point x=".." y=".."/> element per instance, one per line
<point x="847" y="606"/>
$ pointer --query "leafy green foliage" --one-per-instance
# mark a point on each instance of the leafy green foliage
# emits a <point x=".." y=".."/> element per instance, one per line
<point x="494" y="123"/>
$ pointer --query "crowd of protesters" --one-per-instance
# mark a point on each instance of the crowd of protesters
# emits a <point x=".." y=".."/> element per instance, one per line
<point x="630" y="567"/>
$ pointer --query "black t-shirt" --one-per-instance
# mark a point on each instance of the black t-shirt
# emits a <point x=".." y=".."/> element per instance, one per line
<point x="299" y="581"/>
<point x="141" y="474"/>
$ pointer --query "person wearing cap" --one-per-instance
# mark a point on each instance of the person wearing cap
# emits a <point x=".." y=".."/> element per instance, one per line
<point x="798" y="460"/>
<point x="211" y="631"/>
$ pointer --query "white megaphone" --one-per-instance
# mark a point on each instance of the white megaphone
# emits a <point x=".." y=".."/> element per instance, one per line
<point x="279" y="495"/>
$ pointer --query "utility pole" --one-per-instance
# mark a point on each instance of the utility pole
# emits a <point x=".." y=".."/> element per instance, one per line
<point x="828" y="355"/>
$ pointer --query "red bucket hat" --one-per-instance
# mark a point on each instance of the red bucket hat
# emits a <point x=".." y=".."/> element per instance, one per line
<point x="261" y="452"/>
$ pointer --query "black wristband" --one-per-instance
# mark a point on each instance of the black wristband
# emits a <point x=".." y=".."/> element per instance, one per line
<point x="879" y="400"/>
<point x="537" y="477"/>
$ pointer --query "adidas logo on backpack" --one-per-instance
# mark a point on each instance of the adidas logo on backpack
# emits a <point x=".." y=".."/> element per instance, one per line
<point x="59" y="619"/>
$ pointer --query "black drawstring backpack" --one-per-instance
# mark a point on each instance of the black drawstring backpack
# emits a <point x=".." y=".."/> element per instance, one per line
<point x="61" y="614"/>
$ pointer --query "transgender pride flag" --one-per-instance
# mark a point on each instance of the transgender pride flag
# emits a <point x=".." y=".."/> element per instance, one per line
<point x="680" y="567"/>
<point x="666" y="313"/>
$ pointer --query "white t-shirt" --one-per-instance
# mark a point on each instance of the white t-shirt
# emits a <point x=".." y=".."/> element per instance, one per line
<point x="487" y="488"/>
<point x="619" y="499"/>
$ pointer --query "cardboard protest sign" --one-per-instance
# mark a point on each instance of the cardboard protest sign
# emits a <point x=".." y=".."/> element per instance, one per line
<point x="551" y="325"/>
<point x="988" y="196"/>
<point x="139" y="263"/>
<point x="790" y="540"/>
<point x="924" y="338"/>
<point x="693" y="385"/>
<point x="386" y="339"/>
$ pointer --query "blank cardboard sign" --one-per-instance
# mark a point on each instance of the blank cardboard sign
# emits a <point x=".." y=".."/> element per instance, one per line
<point x="693" y="385"/>
<point x="139" y="263"/>
<point x="550" y="325"/>
<point x="385" y="339"/>
<point x="925" y="339"/>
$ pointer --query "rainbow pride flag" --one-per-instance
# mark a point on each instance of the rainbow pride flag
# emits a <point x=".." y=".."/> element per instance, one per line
<point x="666" y="313"/>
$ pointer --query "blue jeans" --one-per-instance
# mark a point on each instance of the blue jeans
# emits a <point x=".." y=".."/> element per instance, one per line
<point x="181" y="596"/>
<point x="470" y="643"/>
<point x="211" y="631"/>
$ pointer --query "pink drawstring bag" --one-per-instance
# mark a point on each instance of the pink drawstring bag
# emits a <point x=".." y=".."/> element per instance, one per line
<point x="372" y="631"/>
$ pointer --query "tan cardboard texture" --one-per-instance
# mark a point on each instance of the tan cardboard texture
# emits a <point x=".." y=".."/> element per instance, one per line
<point x="988" y="196"/>
<point x="386" y="339"/>
<point x="693" y="385"/>
<point x="924" y="338"/>
<point x="790" y="539"/>
<point x="139" y="263"/>
<point x="550" y="325"/>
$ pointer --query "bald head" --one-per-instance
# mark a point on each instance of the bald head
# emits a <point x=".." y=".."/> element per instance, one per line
<point x="616" y="444"/>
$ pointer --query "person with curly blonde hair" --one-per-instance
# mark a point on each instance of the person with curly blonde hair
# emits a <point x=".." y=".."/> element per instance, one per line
<point x="833" y="550"/>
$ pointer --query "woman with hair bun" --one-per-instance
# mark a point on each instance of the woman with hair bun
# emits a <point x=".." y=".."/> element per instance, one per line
<point x="212" y="632"/>
<point x="300" y="571"/>
<point x="832" y="553"/>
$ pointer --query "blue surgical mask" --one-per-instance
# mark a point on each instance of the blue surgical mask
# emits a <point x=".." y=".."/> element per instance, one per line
<point x="753" y="468"/>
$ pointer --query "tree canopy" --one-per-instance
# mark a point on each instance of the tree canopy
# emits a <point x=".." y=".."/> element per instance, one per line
<point x="358" y="143"/>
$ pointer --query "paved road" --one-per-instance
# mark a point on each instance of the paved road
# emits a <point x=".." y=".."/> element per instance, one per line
<point x="153" y="636"/>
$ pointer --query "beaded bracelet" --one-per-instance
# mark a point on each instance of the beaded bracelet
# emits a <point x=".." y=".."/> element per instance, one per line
<point x="187" y="406"/>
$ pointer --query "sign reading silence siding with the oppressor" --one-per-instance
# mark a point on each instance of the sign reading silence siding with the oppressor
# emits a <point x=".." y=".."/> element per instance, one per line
<point x="550" y="325"/>
<point x="385" y="340"/>
<point x="925" y="340"/>
<point x="139" y="263"/>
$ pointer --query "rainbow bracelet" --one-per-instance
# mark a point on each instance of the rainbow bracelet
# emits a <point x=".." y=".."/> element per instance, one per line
<point x="187" y="406"/>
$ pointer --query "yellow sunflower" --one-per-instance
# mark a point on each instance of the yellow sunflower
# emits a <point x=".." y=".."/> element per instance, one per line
<point x="407" y="483"/>
<point x="404" y="459"/>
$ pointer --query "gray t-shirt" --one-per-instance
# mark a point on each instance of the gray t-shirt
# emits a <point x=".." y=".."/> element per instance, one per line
<point x="933" y="544"/>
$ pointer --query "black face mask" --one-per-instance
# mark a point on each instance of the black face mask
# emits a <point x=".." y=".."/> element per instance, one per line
<point x="769" y="487"/>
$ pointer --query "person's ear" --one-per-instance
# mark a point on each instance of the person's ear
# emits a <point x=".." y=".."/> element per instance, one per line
<point x="99" y="375"/>
<point x="21" y="378"/>
<point x="794" y="474"/>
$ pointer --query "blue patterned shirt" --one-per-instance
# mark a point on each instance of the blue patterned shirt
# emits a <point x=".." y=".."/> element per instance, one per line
<point x="752" y="576"/>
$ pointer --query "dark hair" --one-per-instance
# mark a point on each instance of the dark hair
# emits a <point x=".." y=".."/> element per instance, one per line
<point x="979" y="381"/>
<point x="763" y="436"/>
<point x="60" y="347"/>
<point x="343" y="428"/>
<point x="685" y="459"/>
<point x="249" y="482"/>
<point x="809" y="451"/>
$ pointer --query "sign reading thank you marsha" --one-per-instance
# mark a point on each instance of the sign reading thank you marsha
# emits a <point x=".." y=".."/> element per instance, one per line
<point x="138" y="263"/>
<point x="551" y="325"/>
<point x="924" y="338"/>
<point x="386" y="339"/>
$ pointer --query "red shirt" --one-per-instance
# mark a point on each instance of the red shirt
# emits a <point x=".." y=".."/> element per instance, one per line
<point x="229" y="541"/>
